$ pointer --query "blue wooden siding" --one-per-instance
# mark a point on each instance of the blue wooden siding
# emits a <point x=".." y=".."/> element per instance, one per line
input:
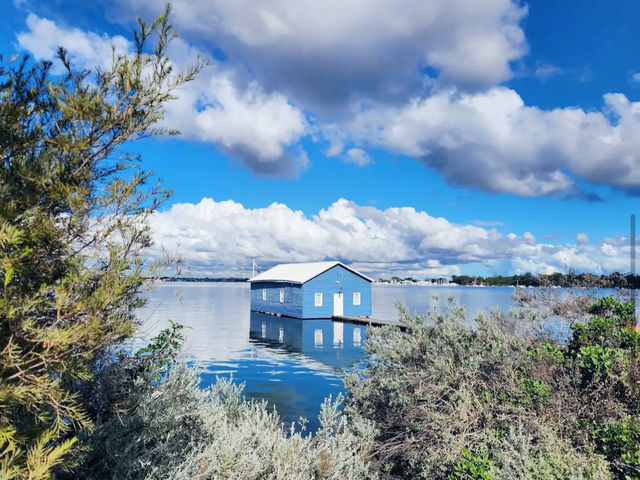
<point x="292" y="305"/>
<point x="327" y="284"/>
<point x="299" y="300"/>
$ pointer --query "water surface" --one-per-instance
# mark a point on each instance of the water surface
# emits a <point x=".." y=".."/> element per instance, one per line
<point x="292" y="364"/>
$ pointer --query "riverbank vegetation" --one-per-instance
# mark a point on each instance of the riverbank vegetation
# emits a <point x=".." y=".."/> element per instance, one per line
<point x="504" y="398"/>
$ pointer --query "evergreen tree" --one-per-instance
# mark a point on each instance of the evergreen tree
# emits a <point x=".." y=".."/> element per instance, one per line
<point x="74" y="205"/>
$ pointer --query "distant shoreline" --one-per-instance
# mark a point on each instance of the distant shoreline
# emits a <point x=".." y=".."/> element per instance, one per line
<point x="402" y="283"/>
<point x="200" y="279"/>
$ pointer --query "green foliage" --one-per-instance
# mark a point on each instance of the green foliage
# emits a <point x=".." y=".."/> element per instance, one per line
<point x="620" y="443"/>
<point x="474" y="466"/>
<point x="610" y="307"/>
<point x="537" y="393"/>
<point x="521" y="454"/>
<point x="156" y="359"/>
<point x="597" y="363"/>
<point x="570" y="279"/>
<point x="122" y="379"/>
<point x="74" y="206"/>
<point x="599" y="367"/>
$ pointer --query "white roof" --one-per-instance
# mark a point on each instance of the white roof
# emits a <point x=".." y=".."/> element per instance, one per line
<point x="299" y="272"/>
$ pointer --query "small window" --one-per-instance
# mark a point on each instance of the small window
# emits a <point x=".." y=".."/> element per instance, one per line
<point x="318" y="300"/>
<point x="356" y="298"/>
<point x="264" y="294"/>
<point x="281" y="296"/>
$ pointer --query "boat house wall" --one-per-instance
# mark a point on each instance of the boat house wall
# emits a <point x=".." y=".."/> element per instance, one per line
<point x="291" y="306"/>
<point x="330" y="282"/>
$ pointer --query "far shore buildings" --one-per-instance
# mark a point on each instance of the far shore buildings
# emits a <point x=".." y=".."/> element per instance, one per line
<point x="312" y="290"/>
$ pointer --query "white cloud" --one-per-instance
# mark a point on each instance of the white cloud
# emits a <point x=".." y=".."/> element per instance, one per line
<point x="359" y="65"/>
<point x="544" y="71"/>
<point x="493" y="141"/>
<point x="334" y="149"/>
<point x="363" y="64"/>
<point x="224" y="236"/>
<point x="87" y="49"/>
<point x="358" y="156"/>
<point x="327" y="53"/>
<point x="582" y="239"/>
<point x="260" y="129"/>
<point x="635" y="77"/>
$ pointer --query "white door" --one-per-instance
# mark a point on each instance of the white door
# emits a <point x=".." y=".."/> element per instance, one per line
<point x="337" y="304"/>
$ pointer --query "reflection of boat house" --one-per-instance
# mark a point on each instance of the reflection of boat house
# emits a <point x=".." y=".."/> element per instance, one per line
<point x="336" y="344"/>
<point x="312" y="290"/>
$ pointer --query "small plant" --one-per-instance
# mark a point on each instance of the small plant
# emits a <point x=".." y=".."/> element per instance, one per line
<point x="474" y="466"/>
<point x="156" y="359"/>
<point x="537" y="393"/>
<point x="611" y="307"/>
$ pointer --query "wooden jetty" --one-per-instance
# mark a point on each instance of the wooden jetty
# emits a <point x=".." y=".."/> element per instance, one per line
<point x="370" y="322"/>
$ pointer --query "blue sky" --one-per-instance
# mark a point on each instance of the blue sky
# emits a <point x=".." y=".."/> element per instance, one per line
<point x="509" y="129"/>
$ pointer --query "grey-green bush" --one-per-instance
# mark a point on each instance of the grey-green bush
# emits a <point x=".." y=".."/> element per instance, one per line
<point x="180" y="431"/>
<point x="449" y="401"/>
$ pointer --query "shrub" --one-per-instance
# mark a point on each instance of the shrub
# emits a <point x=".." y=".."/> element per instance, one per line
<point x="620" y="443"/>
<point x="448" y="400"/>
<point x="178" y="430"/>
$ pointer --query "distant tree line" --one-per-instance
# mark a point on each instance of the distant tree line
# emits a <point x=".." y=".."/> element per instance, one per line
<point x="566" y="280"/>
<point x="200" y="279"/>
<point x="412" y="280"/>
<point x="395" y="279"/>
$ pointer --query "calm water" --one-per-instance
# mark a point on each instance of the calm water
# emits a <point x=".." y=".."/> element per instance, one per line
<point x="293" y="364"/>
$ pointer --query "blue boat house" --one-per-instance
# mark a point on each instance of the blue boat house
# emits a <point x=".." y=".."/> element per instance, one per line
<point x="312" y="290"/>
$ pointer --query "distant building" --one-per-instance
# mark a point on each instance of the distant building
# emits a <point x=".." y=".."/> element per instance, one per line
<point x="311" y="290"/>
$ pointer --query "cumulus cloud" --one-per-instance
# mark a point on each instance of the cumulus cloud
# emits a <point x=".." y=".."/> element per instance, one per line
<point x="260" y="129"/>
<point x="288" y="64"/>
<point x="361" y="66"/>
<point x="224" y="237"/>
<point x="493" y="141"/>
<point x="324" y="54"/>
